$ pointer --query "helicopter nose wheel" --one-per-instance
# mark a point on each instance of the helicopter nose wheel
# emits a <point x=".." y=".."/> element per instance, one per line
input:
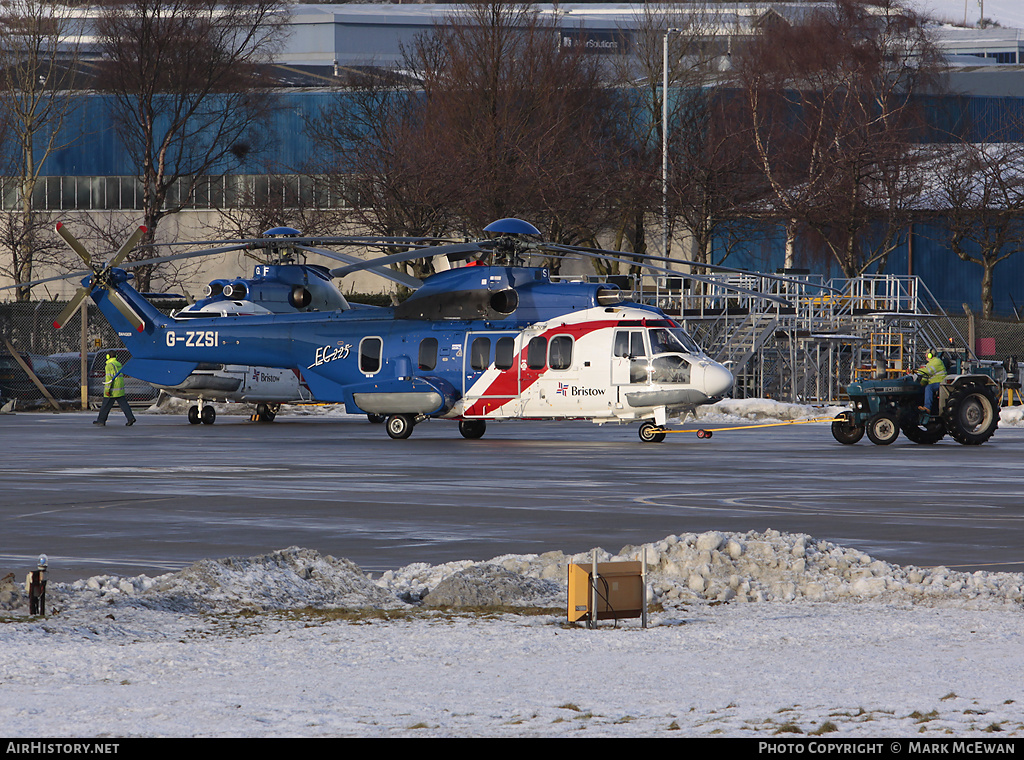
<point x="651" y="433"/>
<point x="205" y="414"/>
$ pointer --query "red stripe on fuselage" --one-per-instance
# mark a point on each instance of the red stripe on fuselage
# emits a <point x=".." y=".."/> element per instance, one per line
<point x="513" y="381"/>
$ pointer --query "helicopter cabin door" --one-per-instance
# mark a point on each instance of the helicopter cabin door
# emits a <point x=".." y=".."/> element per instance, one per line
<point x="491" y="375"/>
<point x="630" y="365"/>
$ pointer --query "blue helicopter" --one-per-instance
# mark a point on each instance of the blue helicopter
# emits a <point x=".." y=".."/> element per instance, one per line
<point x="485" y="338"/>
<point x="279" y="284"/>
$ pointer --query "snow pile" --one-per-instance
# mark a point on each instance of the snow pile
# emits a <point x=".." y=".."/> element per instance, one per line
<point x="748" y="567"/>
<point x="286" y="579"/>
<point x="682" y="570"/>
<point x="763" y="410"/>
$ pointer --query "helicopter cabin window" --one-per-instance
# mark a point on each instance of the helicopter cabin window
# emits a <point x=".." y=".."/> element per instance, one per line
<point x="480" y="353"/>
<point x="505" y="353"/>
<point x="629" y="343"/>
<point x="369" y="355"/>
<point x="537" y="353"/>
<point x="560" y="352"/>
<point x="428" y="353"/>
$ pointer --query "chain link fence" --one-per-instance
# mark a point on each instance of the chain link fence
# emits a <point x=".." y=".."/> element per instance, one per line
<point x="33" y="353"/>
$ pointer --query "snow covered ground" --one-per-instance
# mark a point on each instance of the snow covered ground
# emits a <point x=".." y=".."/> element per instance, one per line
<point x="763" y="635"/>
<point x="1007" y="13"/>
<point x="766" y="635"/>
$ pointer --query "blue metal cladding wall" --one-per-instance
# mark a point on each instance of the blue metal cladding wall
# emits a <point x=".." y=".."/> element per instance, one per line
<point x="951" y="281"/>
<point x="93" y="146"/>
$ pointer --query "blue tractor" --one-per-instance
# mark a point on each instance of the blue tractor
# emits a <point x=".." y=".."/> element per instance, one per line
<point x="968" y="410"/>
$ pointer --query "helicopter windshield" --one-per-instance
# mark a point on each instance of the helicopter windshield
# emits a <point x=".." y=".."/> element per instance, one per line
<point x="675" y="340"/>
<point x="670" y="368"/>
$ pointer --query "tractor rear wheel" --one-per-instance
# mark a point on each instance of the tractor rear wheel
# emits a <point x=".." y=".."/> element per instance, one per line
<point x="932" y="431"/>
<point x="971" y="415"/>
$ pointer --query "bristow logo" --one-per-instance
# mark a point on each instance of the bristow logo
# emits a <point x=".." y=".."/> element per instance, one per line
<point x="566" y="390"/>
<point x="326" y="354"/>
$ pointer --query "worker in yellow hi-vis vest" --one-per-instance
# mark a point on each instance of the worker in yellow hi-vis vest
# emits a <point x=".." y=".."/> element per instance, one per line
<point x="931" y="373"/>
<point x="113" y="390"/>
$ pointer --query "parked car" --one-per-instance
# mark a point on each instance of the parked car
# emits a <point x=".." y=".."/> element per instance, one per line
<point x="15" y="382"/>
<point x="68" y="388"/>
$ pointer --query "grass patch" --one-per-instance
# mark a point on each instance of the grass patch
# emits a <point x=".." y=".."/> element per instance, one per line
<point x="315" y="616"/>
<point x="827" y="727"/>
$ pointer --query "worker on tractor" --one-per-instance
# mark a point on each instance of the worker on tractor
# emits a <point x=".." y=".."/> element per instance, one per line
<point x="931" y="373"/>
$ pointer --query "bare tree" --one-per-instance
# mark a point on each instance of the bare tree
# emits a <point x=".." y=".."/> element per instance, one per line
<point x="979" y="201"/>
<point x="525" y="120"/>
<point x="500" y="121"/>
<point x="185" y="81"/>
<point x="37" y="66"/>
<point x="831" y="105"/>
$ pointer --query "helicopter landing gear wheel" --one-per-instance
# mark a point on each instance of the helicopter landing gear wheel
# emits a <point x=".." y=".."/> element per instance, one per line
<point x="266" y="412"/>
<point x="651" y="433"/>
<point x="399" y="426"/>
<point x="208" y="415"/>
<point x="883" y="429"/>
<point x="193" y="415"/>
<point x="376" y="419"/>
<point x="472" y="429"/>
<point x="845" y="430"/>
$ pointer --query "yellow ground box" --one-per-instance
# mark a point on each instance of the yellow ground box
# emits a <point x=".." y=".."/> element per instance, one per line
<point x="620" y="591"/>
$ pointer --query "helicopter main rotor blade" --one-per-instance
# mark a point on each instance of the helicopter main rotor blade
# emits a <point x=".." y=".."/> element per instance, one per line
<point x="456" y="249"/>
<point x="186" y="255"/>
<point x="691" y="262"/>
<point x="400" y="277"/>
<point x="68" y="276"/>
<point x="707" y="280"/>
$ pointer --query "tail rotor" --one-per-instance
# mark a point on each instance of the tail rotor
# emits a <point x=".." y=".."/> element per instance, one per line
<point x="100" y="278"/>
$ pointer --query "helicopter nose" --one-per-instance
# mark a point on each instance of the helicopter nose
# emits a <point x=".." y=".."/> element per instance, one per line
<point x="717" y="379"/>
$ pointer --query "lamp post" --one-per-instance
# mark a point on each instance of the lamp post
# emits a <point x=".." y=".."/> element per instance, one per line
<point x="664" y="141"/>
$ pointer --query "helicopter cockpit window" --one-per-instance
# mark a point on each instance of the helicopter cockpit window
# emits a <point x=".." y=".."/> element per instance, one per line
<point x="560" y="352"/>
<point x="505" y="353"/>
<point x="480" y="353"/>
<point x="369" y="355"/>
<point x="428" y="353"/>
<point x="670" y="368"/>
<point x="537" y="353"/>
<point x="672" y="340"/>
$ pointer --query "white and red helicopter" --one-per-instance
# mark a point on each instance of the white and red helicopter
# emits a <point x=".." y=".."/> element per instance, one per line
<point x="490" y="340"/>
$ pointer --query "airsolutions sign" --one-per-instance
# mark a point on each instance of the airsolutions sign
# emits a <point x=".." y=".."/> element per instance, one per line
<point x="592" y="41"/>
